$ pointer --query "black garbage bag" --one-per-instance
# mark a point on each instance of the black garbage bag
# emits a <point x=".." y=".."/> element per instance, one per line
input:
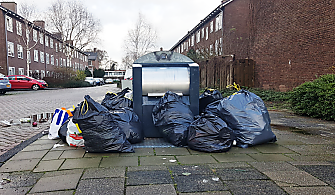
<point x="172" y="117"/>
<point x="62" y="133"/>
<point x="208" y="97"/>
<point x="100" y="131"/>
<point x="209" y="133"/>
<point x="246" y="114"/>
<point x="117" y="100"/>
<point x="129" y="123"/>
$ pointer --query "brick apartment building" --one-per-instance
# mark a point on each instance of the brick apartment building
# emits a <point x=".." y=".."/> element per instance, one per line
<point x="289" y="41"/>
<point x="47" y="50"/>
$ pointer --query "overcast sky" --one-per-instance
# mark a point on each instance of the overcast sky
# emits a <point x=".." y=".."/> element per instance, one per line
<point x="172" y="19"/>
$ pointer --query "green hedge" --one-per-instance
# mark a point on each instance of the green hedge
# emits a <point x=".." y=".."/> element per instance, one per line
<point x="315" y="98"/>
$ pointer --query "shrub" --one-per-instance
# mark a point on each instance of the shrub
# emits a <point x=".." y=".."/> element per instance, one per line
<point x="315" y="98"/>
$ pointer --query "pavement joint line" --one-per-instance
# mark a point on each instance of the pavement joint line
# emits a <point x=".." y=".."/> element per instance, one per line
<point x="10" y="153"/>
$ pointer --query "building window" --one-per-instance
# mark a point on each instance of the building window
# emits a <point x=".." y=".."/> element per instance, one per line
<point x="202" y="32"/>
<point x="61" y="62"/>
<point x="220" y="47"/>
<point x="51" y="43"/>
<point x="192" y="40"/>
<point x="52" y="60"/>
<point x="56" y="62"/>
<point x="35" y="55"/>
<point x="218" y="22"/>
<point x="42" y="56"/>
<point x="28" y="56"/>
<point x="47" y="58"/>
<point x="21" y="71"/>
<point x="46" y="41"/>
<point x="27" y="34"/>
<point x="64" y="62"/>
<point x="37" y="73"/>
<point x="56" y="47"/>
<point x="207" y="33"/>
<point x="19" y="28"/>
<point x="41" y="38"/>
<point x="35" y="35"/>
<point x="9" y="23"/>
<point x="60" y="47"/>
<point x="42" y="74"/>
<point x="11" y="71"/>
<point x="10" y="49"/>
<point x="198" y="36"/>
<point x="216" y="47"/>
<point x="211" y="49"/>
<point x="211" y="26"/>
<point x="19" y="51"/>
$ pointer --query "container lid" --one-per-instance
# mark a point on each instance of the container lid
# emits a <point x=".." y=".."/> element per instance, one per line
<point x="163" y="57"/>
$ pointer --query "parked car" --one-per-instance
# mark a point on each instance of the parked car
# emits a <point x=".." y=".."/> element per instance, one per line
<point x="91" y="81"/>
<point x="109" y="81"/>
<point x="4" y="84"/>
<point x="25" y="82"/>
<point x="97" y="80"/>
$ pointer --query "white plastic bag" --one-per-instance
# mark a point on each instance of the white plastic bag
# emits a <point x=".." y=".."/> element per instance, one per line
<point x="74" y="137"/>
<point x="59" y="117"/>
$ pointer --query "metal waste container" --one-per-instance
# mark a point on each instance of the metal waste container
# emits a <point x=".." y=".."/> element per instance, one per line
<point x="158" y="72"/>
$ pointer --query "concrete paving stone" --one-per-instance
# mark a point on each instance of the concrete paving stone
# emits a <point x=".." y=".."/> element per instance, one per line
<point x="78" y="163"/>
<point x="95" y="173"/>
<point x="272" y="149"/>
<point x="119" y="161"/>
<point x="294" y="178"/>
<point x="69" y="192"/>
<point x="228" y="165"/>
<point x="171" y="151"/>
<point x="21" y="179"/>
<point x="29" y="155"/>
<point x="208" y="193"/>
<point x="273" y="166"/>
<point x="64" y="172"/>
<point x="196" y="159"/>
<point x="61" y="182"/>
<point x="46" y="141"/>
<point x="311" y="149"/>
<point x="243" y="187"/>
<point x="284" y="141"/>
<point x="49" y="165"/>
<point x="19" y="165"/>
<point x="310" y="163"/>
<point x="270" y="157"/>
<point x="315" y="157"/>
<point x="102" y="155"/>
<point x="165" y="189"/>
<point x="309" y="190"/>
<point x="195" y="152"/>
<point x="147" y="168"/>
<point x="66" y="147"/>
<point x="15" y="191"/>
<point x="113" y="186"/>
<point x="73" y="154"/>
<point x="238" y="150"/>
<point x="239" y="174"/>
<point x="325" y="173"/>
<point x="135" y="178"/>
<point x="198" y="183"/>
<point x="38" y="147"/>
<point x="140" y="152"/>
<point x="233" y="158"/>
<point x="314" y="140"/>
<point x="158" y="160"/>
<point x="192" y="169"/>
<point x="52" y="155"/>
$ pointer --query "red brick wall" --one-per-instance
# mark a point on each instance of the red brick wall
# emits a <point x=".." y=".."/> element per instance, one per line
<point x="294" y="41"/>
<point x="3" y="50"/>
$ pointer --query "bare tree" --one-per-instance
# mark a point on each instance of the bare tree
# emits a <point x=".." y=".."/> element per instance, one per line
<point x="75" y="24"/>
<point x="28" y="12"/>
<point x="140" y="40"/>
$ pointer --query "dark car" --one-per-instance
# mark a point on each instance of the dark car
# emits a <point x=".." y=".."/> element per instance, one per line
<point x="25" y="82"/>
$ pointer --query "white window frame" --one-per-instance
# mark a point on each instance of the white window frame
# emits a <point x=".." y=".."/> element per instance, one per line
<point x="202" y="32"/>
<point x="51" y="43"/>
<point x="9" y="21"/>
<point x="11" y="71"/>
<point x="56" y="47"/>
<point x="211" y="26"/>
<point x="42" y="56"/>
<point x="192" y="40"/>
<point x="61" y="62"/>
<point x="35" y="35"/>
<point x="46" y="41"/>
<point x="56" y="62"/>
<point x="41" y="38"/>
<point x="207" y="33"/>
<point x="42" y="74"/>
<point x="10" y="46"/>
<point x="198" y="36"/>
<point x="64" y="62"/>
<point x="19" y="51"/>
<point x="35" y="55"/>
<point x="21" y="71"/>
<point x="19" y="28"/>
<point x="216" y="47"/>
<point x="218" y="22"/>
<point x="47" y="58"/>
<point x="211" y="49"/>
<point x="28" y="56"/>
<point x="52" y="60"/>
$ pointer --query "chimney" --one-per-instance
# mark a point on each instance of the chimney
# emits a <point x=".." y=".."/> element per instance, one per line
<point x="39" y="23"/>
<point x="161" y="48"/>
<point x="70" y="42"/>
<point x="12" y="6"/>
<point x="95" y="50"/>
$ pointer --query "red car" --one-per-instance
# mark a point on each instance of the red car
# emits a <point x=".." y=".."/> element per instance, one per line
<point x="25" y="82"/>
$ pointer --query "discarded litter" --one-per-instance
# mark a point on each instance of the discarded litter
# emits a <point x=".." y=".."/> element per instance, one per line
<point x="5" y="123"/>
<point x="186" y="174"/>
<point x="25" y="120"/>
<point x="58" y="145"/>
<point x="205" y="181"/>
<point x="215" y="179"/>
<point x="172" y="161"/>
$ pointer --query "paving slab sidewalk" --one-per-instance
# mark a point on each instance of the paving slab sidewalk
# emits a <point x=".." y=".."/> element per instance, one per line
<point x="302" y="161"/>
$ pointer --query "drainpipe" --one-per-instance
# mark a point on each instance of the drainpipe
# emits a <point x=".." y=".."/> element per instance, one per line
<point x="6" y="43"/>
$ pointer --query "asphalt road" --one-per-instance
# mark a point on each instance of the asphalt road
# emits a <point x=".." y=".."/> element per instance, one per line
<point x="24" y="103"/>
